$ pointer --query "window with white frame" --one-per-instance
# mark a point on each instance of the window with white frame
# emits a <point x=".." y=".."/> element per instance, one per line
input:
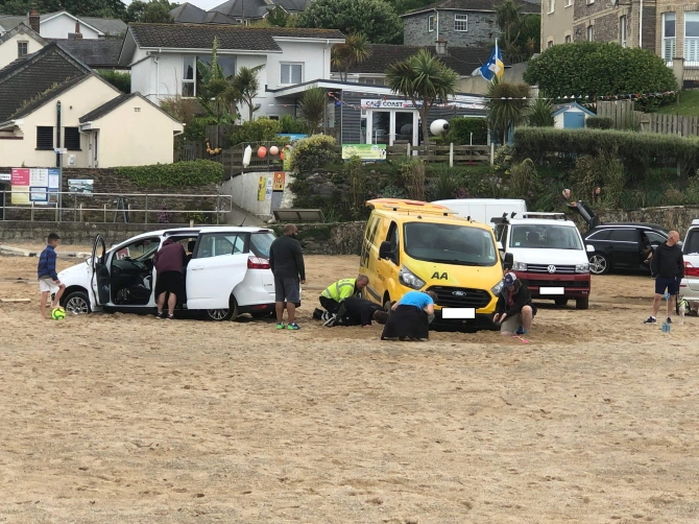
<point x="590" y="33"/>
<point x="623" y="41"/>
<point x="22" y="48"/>
<point x="552" y="6"/>
<point x="192" y="71"/>
<point x="691" y="36"/>
<point x="431" y="20"/>
<point x="291" y="73"/>
<point x="668" y="36"/>
<point x="460" y="22"/>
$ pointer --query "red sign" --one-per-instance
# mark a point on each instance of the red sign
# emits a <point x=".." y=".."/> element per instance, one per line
<point x="20" y="176"/>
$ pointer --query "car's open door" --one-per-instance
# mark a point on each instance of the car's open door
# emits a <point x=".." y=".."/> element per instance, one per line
<point x="100" y="273"/>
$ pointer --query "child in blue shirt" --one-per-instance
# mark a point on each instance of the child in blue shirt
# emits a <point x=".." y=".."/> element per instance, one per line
<point x="48" y="278"/>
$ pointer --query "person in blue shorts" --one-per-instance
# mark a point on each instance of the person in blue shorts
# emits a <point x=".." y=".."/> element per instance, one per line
<point x="667" y="266"/>
<point x="410" y="316"/>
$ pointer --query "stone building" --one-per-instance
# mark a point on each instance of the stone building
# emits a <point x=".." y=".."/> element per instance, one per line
<point x="461" y="23"/>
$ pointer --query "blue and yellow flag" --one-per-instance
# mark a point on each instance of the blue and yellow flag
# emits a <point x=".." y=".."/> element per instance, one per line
<point x="494" y="67"/>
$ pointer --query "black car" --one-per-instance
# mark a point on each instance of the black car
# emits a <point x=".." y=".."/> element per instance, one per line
<point x="623" y="246"/>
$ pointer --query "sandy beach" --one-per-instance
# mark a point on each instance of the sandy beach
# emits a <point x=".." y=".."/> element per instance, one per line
<point x="125" y="418"/>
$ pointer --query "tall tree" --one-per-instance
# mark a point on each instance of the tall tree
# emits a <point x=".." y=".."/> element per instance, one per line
<point x="425" y="80"/>
<point x="277" y="16"/>
<point x="245" y="86"/>
<point x="313" y="103"/>
<point x="354" y="51"/>
<point x="507" y="107"/>
<point x="377" y="19"/>
<point x="214" y="90"/>
<point x="519" y="33"/>
<point x="154" y="11"/>
<point x="104" y="8"/>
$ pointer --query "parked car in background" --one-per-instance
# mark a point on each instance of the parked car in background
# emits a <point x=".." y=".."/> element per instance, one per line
<point x="623" y="246"/>
<point x="548" y="254"/>
<point x="689" y="287"/>
<point x="227" y="273"/>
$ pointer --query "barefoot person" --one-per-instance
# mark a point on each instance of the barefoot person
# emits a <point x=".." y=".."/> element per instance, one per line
<point x="286" y="261"/>
<point x="169" y="265"/>
<point x="667" y="266"/>
<point x="48" y="278"/>
<point x="514" y="311"/>
<point x="410" y="317"/>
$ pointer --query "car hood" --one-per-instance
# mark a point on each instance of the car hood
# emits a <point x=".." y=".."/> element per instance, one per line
<point x="548" y="256"/>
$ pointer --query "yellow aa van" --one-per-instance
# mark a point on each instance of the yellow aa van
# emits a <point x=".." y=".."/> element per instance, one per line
<point x="412" y="245"/>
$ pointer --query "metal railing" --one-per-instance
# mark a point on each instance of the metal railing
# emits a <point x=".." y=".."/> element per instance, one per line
<point x="116" y="207"/>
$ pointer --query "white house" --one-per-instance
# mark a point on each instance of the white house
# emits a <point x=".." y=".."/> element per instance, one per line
<point x="163" y="58"/>
<point x="18" y="42"/>
<point x="62" y="24"/>
<point x="51" y="100"/>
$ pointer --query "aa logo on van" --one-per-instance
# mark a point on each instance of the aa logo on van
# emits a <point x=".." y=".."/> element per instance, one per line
<point x="440" y="276"/>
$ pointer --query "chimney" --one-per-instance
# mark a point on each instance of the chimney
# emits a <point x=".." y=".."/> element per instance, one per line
<point x="441" y="47"/>
<point x="34" y="20"/>
<point x="77" y="35"/>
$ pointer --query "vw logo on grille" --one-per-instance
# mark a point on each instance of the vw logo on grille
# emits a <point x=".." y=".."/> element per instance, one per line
<point x="459" y="293"/>
<point x="551" y="268"/>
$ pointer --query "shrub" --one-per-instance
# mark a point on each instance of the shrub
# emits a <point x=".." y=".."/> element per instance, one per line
<point x="180" y="174"/>
<point x="540" y="113"/>
<point x="289" y="124"/>
<point x="119" y="79"/>
<point x="599" y="122"/>
<point x="413" y="177"/>
<point x="314" y="152"/>
<point x="603" y="171"/>
<point x="523" y="179"/>
<point x="260" y="130"/>
<point x="460" y="129"/>
<point x="583" y="68"/>
<point x="187" y="111"/>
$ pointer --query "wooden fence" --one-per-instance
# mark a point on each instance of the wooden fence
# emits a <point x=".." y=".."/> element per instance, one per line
<point x="451" y="154"/>
<point x="625" y="117"/>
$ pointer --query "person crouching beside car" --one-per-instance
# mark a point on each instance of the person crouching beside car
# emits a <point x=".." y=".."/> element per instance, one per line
<point x="514" y="311"/>
<point x="410" y="317"/>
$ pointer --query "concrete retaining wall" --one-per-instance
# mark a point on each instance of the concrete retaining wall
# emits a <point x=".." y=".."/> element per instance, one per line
<point x="245" y="190"/>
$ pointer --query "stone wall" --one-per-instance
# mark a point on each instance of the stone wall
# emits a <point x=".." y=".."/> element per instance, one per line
<point x="482" y="29"/>
<point x="70" y="232"/>
<point x="338" y="238"/>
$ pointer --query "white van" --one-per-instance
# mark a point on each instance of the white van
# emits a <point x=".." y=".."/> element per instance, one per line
<point x="485" y="209"/>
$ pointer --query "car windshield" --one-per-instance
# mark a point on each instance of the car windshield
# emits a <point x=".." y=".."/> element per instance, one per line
<point x="260" y="242"/>
<point x="450" y="244"/>
<point x="691" y="245"/>
<point x="545" y="236"/>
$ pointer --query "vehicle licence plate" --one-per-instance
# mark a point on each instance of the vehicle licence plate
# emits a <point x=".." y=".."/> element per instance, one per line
<point x="451" y="313"/>
<point x="551" y="290"/>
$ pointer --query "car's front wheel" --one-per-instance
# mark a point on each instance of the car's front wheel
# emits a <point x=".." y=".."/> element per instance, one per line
<point x="582" y="303"/>
<point x="561" y="301"/>
<point x="599" y="265"/>
<point x="77" y="303"/>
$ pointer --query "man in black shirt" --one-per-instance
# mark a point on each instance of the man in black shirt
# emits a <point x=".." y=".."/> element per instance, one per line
<point x="667" y="266"/>
<point x="286" y="261"/>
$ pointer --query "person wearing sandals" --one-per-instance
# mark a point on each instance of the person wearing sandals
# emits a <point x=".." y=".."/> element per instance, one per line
<point x="410" y="317"/>
<point x="169" y="264"/>
<point x="286" y="261"/>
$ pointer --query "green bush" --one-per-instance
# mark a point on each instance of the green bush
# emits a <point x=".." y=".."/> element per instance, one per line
<point x="540" y="113"/>
<point x="289" y="124"/>
<point x="603" y="171"/>
<point x="598" y="69"/>
<point x="119" y="79"/>
<point x="315" y="152"/>
<point x="180" y="174"/>
<point x="460" y="129"/>
<point x="260" y="130"/>
<point x="599" y="122"/>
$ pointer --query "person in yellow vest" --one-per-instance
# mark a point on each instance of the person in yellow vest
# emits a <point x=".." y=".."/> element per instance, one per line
<point x="337" y="292"/>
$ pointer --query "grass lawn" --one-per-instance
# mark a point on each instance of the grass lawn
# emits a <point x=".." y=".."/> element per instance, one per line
<point x="688" y="104"/>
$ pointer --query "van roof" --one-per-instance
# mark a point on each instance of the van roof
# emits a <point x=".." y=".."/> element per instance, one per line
<point x="404" y="208"/>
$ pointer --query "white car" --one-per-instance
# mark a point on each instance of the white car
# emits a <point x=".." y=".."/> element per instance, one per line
<point x="227" y="274"/>
<point x="549" y="255"/>
<point x="689" y="287"/>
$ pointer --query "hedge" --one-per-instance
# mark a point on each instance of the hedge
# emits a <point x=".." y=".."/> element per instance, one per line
<point x="180" y="174"/>
<point x="636" y="150"/>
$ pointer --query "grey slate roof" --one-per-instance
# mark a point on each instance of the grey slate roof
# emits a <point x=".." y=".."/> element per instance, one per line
<point x="187" y="13"/>
<point x="473" y="5"/>
<point x="463" y="60"/>
<point x="293" y="6"/>
<point x="106" y="107"/>
<point x="101" y="53"/>
<point x="201" y="36"/>
<point x="109" y="26"/>
<point x="244" y="8"/>
<point x="28" y="82"/>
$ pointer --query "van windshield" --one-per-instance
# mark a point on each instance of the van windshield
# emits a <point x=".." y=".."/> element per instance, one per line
<point x="449" y="244"/>
<point x="545" y="236"/>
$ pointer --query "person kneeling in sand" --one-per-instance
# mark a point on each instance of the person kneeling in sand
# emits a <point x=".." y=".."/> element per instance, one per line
<point x="356" y="311"/>
<point x="514" y="311"/>
<point x="410" y="317"/>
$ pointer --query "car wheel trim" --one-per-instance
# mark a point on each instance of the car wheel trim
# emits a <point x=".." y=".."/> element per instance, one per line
<point x="218" y="314"/>
<point x="77" y="305"/>
<point x="598" y="264"/>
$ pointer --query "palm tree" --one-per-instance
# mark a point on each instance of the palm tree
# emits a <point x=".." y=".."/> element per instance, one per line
<point x="213" y="90"/>
<point x="507" y="105"/>
<point x="244" y="87"/>
<point x="354" y="51"/>
<point x="540" y="113"/>
<point x="313" y="104"/>
<point x="425" y="80"/>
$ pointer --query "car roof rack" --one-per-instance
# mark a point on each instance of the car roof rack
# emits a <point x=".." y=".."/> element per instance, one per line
<point x="551" y="216"/>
